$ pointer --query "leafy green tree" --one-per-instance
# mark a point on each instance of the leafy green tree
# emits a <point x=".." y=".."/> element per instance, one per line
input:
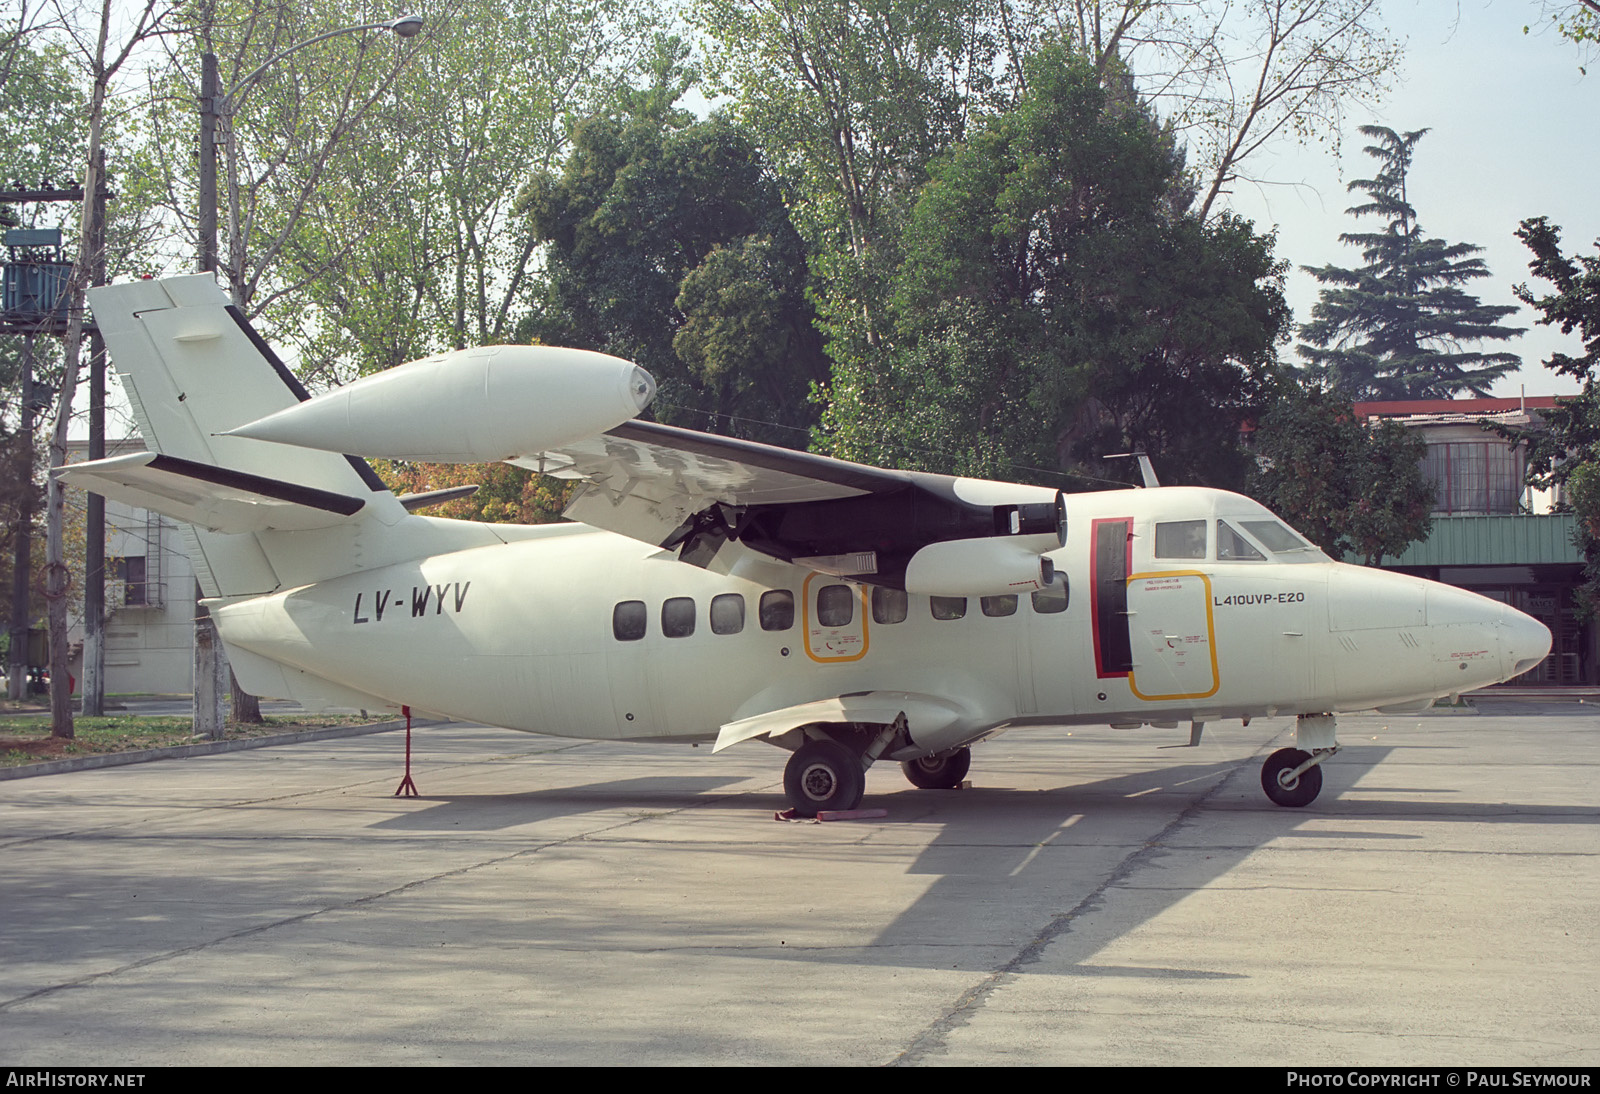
<point x="444" y="260"/>
<point x="373" y="203"/>
<point x="669" y="244"/>
<point x="505" y="494"/>
<point x="1351" y="487"/>
<point x="1565" y="450"/>
<point x="1057" y="303"/>
<point x="850" y="100"/>
<point x="1398" y="326"/>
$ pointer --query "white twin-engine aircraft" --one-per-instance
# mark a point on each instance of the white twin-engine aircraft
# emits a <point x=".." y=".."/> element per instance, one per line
<point x="721" y="590"/>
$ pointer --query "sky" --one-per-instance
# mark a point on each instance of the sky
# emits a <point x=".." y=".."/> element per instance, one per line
<point x="1514" y="132"/>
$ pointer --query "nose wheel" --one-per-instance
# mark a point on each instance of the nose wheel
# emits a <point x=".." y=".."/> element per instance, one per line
<point x="1284" y="780"/>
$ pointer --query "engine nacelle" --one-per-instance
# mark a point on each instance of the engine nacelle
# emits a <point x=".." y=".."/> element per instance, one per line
<point x="467" y="406"/>
<point x="980" y="567"/>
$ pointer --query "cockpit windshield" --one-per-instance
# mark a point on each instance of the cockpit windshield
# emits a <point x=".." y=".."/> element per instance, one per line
<point x="1232" y="547"/>
<point x="1278" y="537"/>
<point x="1238" y="538"/>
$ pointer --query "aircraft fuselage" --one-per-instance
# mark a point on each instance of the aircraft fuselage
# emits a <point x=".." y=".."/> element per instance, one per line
<point x="582" y="633"/>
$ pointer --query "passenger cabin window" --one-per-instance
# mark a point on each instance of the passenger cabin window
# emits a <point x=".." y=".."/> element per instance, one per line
<point x="677" y="617"/>
<point x="628" y="620"/>
<point x="777" y="610"/>
<point x="889" y="605"/>
<point x="1053" y="597"/>
<point x="999" y="606"/>
<point x="1232" y="547"/>
<point x="727" y="614"/>
<point x="1181" y="539"/>
<point x="836" y="605"/>
<point x="948" y="607"/>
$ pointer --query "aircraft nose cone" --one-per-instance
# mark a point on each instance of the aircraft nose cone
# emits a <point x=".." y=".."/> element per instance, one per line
<point x="641" y="388"/>
<point x="1524" y="642"/>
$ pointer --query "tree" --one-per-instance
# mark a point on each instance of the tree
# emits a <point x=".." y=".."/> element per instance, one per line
<point x="444" y="259"/>
<point x="851" y="100"/>
<point x="101" y="59"/>
<point x="669" y="244"/>
<point x="1058" y="302"/>
<point x="279" y="127"/>
<point x="505" y="494"/>
<point x="1578" y="21"/>
<point x="1565" y="450"/>
<point x="1351" y="487"/>
<point x="1397" y="327"/>
<point x="42" y="110"/>
<point x="1233" y="78"/>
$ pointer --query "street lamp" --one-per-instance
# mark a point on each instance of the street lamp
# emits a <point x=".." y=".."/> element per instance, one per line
<point x="209" y="692"/>
<point x="213" y="105"/>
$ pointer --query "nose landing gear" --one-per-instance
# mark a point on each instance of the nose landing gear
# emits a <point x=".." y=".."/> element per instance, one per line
<point x="1288" y="781"/>
<point x="1293" y="776"/>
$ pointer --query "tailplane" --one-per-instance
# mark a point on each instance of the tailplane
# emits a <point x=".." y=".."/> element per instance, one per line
<point x="261" y="517"/>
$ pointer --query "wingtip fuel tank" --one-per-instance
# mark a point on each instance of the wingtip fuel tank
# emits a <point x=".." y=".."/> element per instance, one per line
<point x="467" y="406"/>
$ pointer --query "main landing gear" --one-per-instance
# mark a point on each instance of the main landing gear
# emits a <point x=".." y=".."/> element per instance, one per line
<point x="1293" y="776"/>
<point x="943" y="772"/>
<point x="822" y="775"/>
<point x="828" y="774"/>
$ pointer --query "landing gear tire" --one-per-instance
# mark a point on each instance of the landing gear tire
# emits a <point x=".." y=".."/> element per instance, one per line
<point x="1295" y="792"/>
<point x="823" y="775"/>
<point x="939" y="772"/>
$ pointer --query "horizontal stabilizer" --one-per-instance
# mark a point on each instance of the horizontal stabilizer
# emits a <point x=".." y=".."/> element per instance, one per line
<point x="925" y="714"/>
<point x="214" y="498"/>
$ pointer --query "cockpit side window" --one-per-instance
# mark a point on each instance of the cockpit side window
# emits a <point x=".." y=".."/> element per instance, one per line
<point x="1181" y="539"/>
<point x="1232" y="547"/>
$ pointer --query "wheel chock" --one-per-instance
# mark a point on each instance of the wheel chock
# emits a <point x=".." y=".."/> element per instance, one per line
<point x="831" y="815"/>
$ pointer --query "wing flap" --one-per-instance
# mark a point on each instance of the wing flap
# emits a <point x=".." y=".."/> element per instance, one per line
<point x="214" y="498"/>
<point x="926" y="715"/>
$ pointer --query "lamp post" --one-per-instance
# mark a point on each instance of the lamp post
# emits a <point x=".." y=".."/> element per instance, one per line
<point x="214" y="105"/>
<point x="210" y="665"/>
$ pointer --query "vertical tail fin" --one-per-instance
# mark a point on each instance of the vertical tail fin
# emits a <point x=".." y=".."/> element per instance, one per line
<point x="193" y="367"/>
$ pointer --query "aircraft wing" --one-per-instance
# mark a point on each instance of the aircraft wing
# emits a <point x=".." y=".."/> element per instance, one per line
<point x="694" y="492"/>
<point x="645" y="479"/>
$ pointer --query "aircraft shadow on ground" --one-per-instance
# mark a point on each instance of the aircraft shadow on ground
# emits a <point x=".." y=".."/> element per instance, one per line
<point x="1025" y="857"/>
<point x="1007" y="872"/>
<point x="491" y="812"/>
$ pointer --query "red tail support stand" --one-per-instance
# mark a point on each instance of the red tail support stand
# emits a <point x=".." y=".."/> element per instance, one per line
<point x="407" y="787"/>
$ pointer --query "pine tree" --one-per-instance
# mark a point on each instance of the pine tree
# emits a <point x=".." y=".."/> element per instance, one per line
<point x="1399" y="326"/>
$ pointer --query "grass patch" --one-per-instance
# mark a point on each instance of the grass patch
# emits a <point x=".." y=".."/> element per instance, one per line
<point x="25" y="736"/>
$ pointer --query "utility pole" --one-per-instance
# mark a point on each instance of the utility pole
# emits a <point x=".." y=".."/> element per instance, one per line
<point x="94" y="566"/>
<point x="22" y="564"/>
<point x="210" y="661"/>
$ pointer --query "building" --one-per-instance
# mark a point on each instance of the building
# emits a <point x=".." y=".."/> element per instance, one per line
<point x="149" y="628"/>
<point x="1492" y="533"/>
